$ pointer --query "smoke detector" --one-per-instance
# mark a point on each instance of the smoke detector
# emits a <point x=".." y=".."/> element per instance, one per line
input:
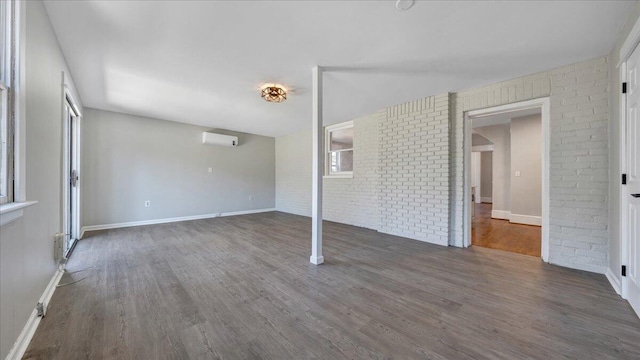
<point x="403" y="5"/>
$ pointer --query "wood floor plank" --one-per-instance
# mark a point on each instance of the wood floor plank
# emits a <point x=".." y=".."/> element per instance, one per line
<point x="242" y="288"/>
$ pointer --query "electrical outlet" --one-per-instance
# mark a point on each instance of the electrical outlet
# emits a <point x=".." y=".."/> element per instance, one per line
<point x="250" y="197"/>
<point x="517" y="173"/>
<point x="147" y="203"/>
<point x="210" y="170"/>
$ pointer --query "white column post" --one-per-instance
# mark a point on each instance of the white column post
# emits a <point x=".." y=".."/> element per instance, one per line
<point x="318" y="168"/>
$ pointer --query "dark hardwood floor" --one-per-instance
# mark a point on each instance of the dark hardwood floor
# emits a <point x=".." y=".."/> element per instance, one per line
<point x="503" y="235"/>
<point x="243" y="288"/>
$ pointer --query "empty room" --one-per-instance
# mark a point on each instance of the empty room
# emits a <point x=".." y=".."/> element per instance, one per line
<point x="388" y="179"/>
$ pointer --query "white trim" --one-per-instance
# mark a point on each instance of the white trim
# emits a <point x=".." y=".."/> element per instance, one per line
<point x="71" y="124"/>
<point x="630" y="43"/>
<point x="544" y="104"/>
<point x="316" y="260"/>
<point x="19" y="136"/>
<point x="622" y="143"/>
<point x="500" y="214"/>
<point x="317" y="165"/>
<point x="626" y="50"/>
<point x="7" y="208"/>
<point x="339" y="126"/>
<point x="615" y="282"/>
<point x="476" y="148"/>
<point x="345" y="175"/>
<point x="21" y="344"/>
<point x="525" y="219"/>
<point x="327" y="149"/>
<point x="486" y="199"/>
<point x="10" y="217"/>
<point x="170" y="220"/>
<point x="13" y="211"/>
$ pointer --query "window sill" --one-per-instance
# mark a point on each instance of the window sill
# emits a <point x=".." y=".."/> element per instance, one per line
<point x="341" y="176"/>
<point x="13" y="211"/>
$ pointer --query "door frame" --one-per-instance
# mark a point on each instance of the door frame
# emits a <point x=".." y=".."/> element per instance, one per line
<point x="67" y="165"/>
<point x="629" y="45"/>
<point x="544" y="105"/>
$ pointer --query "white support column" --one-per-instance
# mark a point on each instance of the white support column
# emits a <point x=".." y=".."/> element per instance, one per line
<point x="318" y="168"/>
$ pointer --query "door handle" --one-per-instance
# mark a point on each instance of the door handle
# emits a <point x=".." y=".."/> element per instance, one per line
<point x="635" y="195"/>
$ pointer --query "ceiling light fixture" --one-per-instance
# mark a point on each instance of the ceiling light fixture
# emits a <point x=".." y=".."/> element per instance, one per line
<point x="404" y="4"/>
<point x="274" y="93"/>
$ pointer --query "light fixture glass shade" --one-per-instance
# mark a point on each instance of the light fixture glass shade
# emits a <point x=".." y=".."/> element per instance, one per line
<point x="274" y="93"/>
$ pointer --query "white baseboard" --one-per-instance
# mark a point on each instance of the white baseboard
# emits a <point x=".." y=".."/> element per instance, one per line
<point x="486" y="199"/>
<point x="525" y="219"/>
<point x="615" y="282"/>
<point x="21" y="344"/>
<point x="169" y="220"/>
<point x="500" y="214"/>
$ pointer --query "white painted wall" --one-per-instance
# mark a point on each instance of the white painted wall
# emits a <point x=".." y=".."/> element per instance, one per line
<point x="414" y="170"/>
<point x="526" y="158"/>
<point x="486" y="175"/>
<point x="476" y="174"/>
<point x="579" y="169"/>
<point x="500" y="136"/>
<point x="579" y="96"/>
<point x="26" y="246"/>
<point x="293" y="173"/>
<point x="477" y="139"/>
<point x="354" y="201"/>
<point x="128" y="159"/>
<point x="399" y="184"/>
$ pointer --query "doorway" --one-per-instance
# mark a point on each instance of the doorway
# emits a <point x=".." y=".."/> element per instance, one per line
<point x="630" y="189"/>
<point x="514" y="215"/>
<point x="70" y="177"/>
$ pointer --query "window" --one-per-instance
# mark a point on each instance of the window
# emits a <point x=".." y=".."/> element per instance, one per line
<point x="339" y="150"/>
<point x="7" y="80"/>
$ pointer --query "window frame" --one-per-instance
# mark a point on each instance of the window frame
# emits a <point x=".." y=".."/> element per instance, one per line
<point x="8" y="79"/>
<point x="328" y="153"/>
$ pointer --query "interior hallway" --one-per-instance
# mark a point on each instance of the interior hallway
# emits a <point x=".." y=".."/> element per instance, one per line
<point x="503" y="235"/>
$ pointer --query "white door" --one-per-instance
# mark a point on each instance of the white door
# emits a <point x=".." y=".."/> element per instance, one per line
<point x="631" y="191"/>
<point x="71" y="179"/>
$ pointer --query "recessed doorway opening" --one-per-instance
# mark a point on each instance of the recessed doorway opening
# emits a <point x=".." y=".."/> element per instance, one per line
<point x="506" y="178"/>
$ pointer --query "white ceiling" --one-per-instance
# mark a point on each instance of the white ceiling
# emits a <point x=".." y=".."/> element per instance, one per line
<point x="203" y="62"/>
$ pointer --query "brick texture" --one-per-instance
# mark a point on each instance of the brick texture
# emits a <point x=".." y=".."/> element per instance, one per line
<point x="417" y="191"/>
<point x="414" y="170"/>
<point x="579" y="95"/>
<point x="355" y="201"/>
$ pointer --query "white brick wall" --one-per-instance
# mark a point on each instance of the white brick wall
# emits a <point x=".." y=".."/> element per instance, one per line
<point x="355" y="201"/>
<point x="406" y="196"/>
<point x="420" y="163"/>
<point x="414" y="170"/>
<point x="579" y="96"/>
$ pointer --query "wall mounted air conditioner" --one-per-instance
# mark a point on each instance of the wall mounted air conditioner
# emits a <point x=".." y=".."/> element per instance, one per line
<point x="219" y="139"/>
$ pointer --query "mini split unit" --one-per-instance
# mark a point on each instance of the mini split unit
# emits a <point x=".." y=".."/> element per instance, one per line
<point x="219" y="139"/>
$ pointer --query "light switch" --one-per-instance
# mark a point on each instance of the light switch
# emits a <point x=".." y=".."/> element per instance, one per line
<point x="210" y="170"/>
<point x="517" y="173"/>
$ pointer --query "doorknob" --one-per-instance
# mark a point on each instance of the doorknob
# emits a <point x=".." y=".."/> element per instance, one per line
<point x="635" y="195"/>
